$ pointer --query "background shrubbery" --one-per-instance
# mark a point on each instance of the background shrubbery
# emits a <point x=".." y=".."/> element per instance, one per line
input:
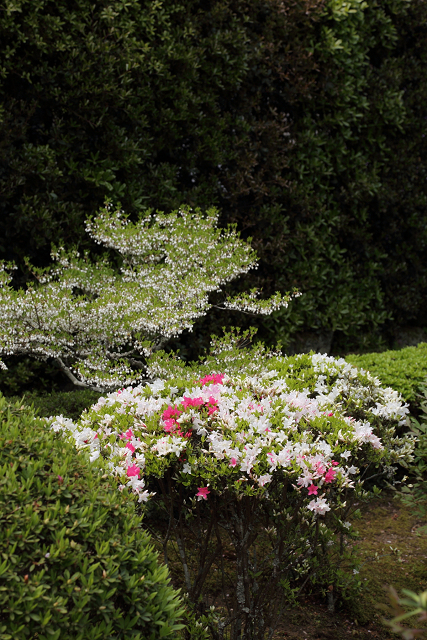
<point x="68" y="403"/>
<point x="404" y="370"/>
<point x="304" y="122"/>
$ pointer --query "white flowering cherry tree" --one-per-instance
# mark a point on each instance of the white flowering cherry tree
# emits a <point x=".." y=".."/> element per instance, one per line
<point x="99" y="323"/>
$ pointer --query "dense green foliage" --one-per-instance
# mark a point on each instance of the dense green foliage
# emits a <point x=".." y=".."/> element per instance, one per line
<point x="135" y="102"/>
<point x="25" y="374"/>
<point x="304" y="122"/>
<point x="74" y="561"/>
<point x="360" y="236"/>
<point x="404" y="370"/>
<point x="68" y="403"/>
<point x="415" y="494"/>
<point x="257" y="449"/>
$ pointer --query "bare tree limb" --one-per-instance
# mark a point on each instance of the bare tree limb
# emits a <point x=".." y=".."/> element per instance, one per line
<point x="73" y="379"/>
<point x="117" y="356"/>
<point x="159" y="344"/>
<point x="247" y="313"/>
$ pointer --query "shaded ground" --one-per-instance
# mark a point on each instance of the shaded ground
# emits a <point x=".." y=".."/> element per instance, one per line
<point x="391" y="551"/>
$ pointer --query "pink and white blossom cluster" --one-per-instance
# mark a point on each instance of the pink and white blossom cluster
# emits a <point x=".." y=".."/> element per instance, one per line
<point x="247" y="429"/>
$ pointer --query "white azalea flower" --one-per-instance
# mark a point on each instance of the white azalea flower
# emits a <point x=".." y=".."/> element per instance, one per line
<point x="319" y="506"/>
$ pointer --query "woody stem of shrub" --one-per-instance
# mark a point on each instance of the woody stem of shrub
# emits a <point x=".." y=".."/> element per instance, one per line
<point x="205" y="562"/>
<point x="238" y="518"/>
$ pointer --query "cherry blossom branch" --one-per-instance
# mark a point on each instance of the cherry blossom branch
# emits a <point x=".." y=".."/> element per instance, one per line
<point x="73" y="379"/>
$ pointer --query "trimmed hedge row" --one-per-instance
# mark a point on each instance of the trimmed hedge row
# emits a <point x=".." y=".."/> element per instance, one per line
<point x="75" y="563"/>
<point x="404" y="370"/>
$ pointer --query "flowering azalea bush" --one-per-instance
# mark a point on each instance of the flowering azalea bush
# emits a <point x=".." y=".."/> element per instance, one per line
<point x="282" y="451"/>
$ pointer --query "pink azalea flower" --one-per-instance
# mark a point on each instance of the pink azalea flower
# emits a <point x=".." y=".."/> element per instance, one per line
<point x="170" y="412"/>
<point x="203" y="493"/>
<point x="335" y="463"/>
<point x="130" y="447"/>
<point x="233" y="462"/>
<point x="133" y="470"/>
<point x="320" y="468"/>
<point x="192" y="402"/>
<point x="60" y="479"/>
<point x="128" y="435"/>
<point x="330" y="475"/>
<point x="312" y="490"/>
<point x="216" y="378"/>
<point x="169" y="424"/>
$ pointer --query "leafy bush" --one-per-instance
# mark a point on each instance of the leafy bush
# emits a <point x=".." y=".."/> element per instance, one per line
<point x="69" y="403"/>
<point x="417" y="605"/>
<point x="75" y="563"/>
<point x="414" y="494"/>
<point x="282" y="451"/>
<point x="404" y="370"/>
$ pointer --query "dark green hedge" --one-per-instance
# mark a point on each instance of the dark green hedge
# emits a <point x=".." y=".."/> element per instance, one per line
<point x="303" y="121"/>
<point x="404" y="370"/>
<point x="357" y="209"/>
<point x="149" y="103"/>
<point x="70" y="404"/>
<point x="75" y="561"/>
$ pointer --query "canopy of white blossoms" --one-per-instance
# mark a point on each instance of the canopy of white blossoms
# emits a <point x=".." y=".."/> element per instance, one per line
<point x="97" y="322"/>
